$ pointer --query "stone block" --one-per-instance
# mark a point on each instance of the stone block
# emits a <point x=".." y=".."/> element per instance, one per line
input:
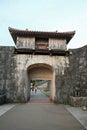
<point x="78" y="101"/>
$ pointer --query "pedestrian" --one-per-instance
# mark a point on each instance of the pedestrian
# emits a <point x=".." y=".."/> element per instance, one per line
<point x="35" y="89"/>
<point x="32" y="88"/>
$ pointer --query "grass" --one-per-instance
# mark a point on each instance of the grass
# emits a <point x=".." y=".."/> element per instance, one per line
<point x="46" y="92"/>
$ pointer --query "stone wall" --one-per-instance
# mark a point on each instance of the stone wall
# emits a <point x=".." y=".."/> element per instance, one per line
<point x="6" y="70"/>
<point x="23" y="62"/>
<point x="74" y="80"/>
<point x="70" y="76"/>
<point x="78" y="101"/>
<point x="78" y="68"/>
<point x="13" y="72"/>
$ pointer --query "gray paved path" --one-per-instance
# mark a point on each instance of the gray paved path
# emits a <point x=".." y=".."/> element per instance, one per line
<point x="39" y="116"/>
<point x="79" y="114"/>
<point x="39" y="97"/>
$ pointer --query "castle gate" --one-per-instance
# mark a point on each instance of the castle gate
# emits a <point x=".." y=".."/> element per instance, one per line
<point x="39" y="56"/>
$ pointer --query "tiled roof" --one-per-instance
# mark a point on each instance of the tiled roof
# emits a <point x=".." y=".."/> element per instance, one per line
<point x="40" y="34"/>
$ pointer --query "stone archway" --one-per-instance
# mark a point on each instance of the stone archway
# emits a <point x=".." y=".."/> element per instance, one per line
<point x="43" y="72"/>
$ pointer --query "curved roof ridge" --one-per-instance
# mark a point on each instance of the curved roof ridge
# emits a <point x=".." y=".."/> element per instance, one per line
<point x="42" y="34"/>
<point x="26" y="30"/>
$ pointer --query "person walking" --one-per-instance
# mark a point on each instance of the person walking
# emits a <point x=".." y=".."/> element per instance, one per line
<point x="35" y="89"/>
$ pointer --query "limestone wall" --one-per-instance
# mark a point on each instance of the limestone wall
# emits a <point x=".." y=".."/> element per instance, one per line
<point x="7" y="70"/>
<point x="14" y="76"/>
<point x="74" y="80"/>
<point x="70" y="74"/>
<point x="78" y="68"/>
<point x="23" y="62"/>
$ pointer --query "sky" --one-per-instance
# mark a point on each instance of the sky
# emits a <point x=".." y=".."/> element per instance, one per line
<point x="44" y="15"/>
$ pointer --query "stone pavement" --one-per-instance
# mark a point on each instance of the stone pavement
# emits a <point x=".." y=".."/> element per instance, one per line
<point x="79" y="114"/>
<point x="39" y="97"/>
<point x="6" y="107"/>
<point x="40" y="116"/>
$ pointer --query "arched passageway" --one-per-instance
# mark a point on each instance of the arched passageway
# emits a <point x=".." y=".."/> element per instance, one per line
<point x="43" y="72"/>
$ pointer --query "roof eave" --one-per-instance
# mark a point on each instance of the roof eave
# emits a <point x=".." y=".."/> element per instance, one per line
<point x="25" y="33"/>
